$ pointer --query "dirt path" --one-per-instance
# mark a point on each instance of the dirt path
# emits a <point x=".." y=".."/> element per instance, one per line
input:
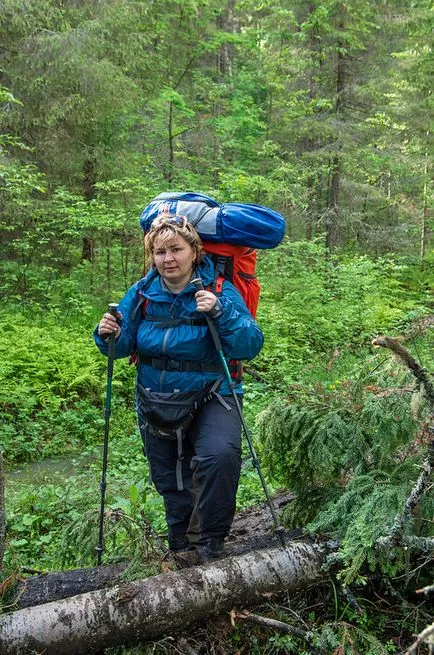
<point x="252" y="528"/>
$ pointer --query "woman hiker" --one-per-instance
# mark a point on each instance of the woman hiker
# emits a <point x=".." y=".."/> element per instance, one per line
<point x="188" y="420"/>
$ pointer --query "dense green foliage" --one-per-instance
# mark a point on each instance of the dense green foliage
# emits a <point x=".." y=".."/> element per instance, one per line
<point x="320" y="109"/>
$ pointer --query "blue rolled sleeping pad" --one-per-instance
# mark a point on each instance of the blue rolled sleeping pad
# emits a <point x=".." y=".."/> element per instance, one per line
<point x="239" y="224"/>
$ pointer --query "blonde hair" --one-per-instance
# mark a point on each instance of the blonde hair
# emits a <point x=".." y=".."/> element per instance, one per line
<point x="169" y="226"/>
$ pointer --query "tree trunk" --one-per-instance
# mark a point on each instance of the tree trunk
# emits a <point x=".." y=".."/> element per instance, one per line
<point x="225" y="23"/>
<point x="309" y="144"/>
<point x="336" y="164"/>
<point x="167" y="603"/>
<point x="171" y="139"/>
<point x="89" y="179"/>
<point x="333" y="204"/>
<point x="424" y="225"/>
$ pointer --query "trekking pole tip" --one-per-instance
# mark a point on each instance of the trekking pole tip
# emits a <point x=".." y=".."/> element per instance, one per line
<point x="280" y="531"/>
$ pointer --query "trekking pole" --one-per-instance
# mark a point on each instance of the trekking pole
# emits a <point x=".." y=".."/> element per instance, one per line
<point x="278" y="529"/>
<point x="113" y="309"/>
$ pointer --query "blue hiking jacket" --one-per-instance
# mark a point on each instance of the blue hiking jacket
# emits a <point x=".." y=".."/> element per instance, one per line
<point x="240" y="336"/>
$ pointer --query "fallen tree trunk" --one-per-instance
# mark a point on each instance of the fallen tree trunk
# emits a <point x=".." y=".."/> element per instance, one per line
<point x="146" y="609"/>
<point x="50" y="587"/>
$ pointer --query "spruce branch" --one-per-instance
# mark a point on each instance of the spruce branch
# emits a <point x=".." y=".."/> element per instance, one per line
<point x="396" y="536"/>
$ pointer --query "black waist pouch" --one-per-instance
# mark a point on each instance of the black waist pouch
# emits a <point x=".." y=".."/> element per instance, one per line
<point x="166" y="413"/>
<point x="169" y="415"/>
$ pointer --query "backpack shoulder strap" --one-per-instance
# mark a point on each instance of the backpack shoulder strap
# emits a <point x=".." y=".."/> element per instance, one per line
<point x="142" y="301"/>
<point x="217" y="286"/>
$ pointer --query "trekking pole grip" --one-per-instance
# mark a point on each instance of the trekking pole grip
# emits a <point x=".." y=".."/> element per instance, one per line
<point x="198" y="284"/>
<point x="216" y="309"/>
<point x="113" y="309"/>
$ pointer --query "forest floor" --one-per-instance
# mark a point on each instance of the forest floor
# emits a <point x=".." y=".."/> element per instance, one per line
<point x="253" y="527"/>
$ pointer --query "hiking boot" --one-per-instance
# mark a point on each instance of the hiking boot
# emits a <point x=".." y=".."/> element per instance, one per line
<point x="179" y="542"/>
<point x="181" y="550"/>
<point x="210" y="550"/>
<point x="185" y="558"/>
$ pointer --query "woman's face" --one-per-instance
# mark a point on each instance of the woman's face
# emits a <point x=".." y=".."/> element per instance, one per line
<point x="174" y="259"/>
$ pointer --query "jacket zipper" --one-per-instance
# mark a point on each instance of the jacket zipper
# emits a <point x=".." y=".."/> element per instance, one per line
<point x="163" y="352"/>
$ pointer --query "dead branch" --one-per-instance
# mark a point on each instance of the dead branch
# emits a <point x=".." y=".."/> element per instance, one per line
<point x="278" y="626"/>
<point x="185" y="647"/>
<point x="423" y="636"/>
<point x="426" y="590"/>
<point x="420" y="373"/>
<point x="250" y="370"/>
<point x="352" y="600"/>
<point x="395" y="536"/>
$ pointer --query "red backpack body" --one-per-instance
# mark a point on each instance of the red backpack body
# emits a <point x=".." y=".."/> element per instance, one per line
<point x="238" y="265"/>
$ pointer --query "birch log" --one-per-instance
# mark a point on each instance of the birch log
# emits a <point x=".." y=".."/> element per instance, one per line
<point x="164" y="604"/>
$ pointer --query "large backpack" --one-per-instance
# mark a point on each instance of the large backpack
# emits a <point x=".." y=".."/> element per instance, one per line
<point x="230" y="235"/>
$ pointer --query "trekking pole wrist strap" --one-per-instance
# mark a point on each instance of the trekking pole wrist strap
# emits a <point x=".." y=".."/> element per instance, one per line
<point x="216" y="310"/>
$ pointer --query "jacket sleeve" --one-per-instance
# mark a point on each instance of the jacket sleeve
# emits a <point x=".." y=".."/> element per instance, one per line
<point x="126" y="343"/>
<point x="239" y="333"/>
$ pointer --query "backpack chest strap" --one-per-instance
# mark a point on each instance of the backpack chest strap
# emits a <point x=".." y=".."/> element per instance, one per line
<point x="167" y="321"/>
<point x="184" y="365"/>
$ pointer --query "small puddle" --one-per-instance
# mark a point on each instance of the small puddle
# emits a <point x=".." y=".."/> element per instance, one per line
<point x="49" y="470"/>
